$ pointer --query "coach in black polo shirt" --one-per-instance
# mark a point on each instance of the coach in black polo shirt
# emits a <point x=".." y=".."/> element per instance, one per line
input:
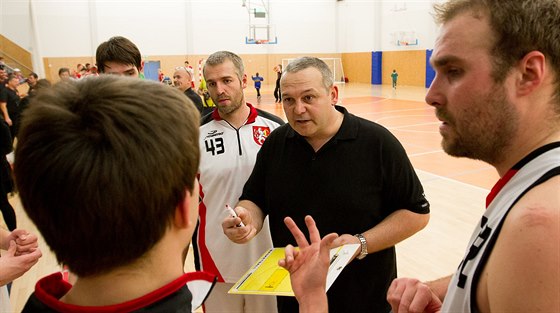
<point x="350" y="174"/>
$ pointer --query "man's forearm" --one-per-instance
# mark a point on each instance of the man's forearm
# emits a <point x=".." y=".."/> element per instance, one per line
<point x="395" y="228"/>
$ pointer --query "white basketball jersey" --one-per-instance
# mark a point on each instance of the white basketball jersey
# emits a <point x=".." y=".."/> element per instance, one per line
<point x="228" y="156"/>
<point x="461" y="293"/>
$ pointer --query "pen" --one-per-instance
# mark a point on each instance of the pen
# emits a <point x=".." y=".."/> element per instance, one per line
<point x="233" y="214"/>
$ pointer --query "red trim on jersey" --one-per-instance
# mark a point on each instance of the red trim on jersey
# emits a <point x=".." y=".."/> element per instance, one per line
<point x="206" y="260"/>
<point x="51" y="288"/>
<point x="251" y="119"/>
<point x="252" y="115"/>
<point x="215" y="115"/>
<point x="499" y="185"/>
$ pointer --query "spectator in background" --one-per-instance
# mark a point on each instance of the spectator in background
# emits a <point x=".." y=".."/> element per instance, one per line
<point x="182" y="80"/>
<point x="31" y="81"/>
<point x="6" y="180"/>
<point x="19" y="75"/>
<point x="203" y="92"/>
<point x="12" y="103"/>
<point x="39" y="85"/>
<point x="277" y="91"/>
<point x="88" y="69"/>
<point x="4" y="95"/>
<point x="191" y="70"/>
<point x="257" y="79"/>
<point x="64" y="74"/>
<point x="81" y="71"/>
<point x="93" y="71"/>
<point x="394" y="76"/>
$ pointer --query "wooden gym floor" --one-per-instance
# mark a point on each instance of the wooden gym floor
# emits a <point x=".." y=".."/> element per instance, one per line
<point x="456" y="188"/>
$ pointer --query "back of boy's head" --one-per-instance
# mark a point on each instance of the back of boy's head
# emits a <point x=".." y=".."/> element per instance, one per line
<point x="102" y="164"/>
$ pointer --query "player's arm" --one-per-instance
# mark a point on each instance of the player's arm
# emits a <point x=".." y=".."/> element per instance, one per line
<point x="523" y="271"/>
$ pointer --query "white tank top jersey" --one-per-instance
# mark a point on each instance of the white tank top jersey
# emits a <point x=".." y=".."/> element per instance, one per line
<point x="228" y="156"/>
<point x="461" y="293"/>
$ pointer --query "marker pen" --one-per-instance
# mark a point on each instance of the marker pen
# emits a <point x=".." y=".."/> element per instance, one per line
<point x="233" y="214"/>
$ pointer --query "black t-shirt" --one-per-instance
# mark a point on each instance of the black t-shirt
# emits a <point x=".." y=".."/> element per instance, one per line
<point x="12" y="102"/>
<point x="195" y="98"/>
<point x="3" y="93"/>
<point x="351" y="184"/>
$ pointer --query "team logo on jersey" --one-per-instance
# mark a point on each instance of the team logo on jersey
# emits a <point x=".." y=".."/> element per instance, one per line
<point x="260" y="133"/>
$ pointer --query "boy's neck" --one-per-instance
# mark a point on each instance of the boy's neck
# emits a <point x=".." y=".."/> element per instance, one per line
<point x="159" y="267"/>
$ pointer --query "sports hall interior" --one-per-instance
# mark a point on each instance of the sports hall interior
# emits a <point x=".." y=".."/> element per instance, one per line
<point x="364" y="40"/>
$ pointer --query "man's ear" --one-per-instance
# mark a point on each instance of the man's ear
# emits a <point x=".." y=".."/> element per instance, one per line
<point x="244" y="81"/>
<point x="531" y="72"/>
<point x="334" y="94"/>
<point x="182" y="218"/>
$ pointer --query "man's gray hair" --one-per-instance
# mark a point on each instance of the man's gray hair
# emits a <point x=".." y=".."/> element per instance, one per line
<point x="302" y="63"/>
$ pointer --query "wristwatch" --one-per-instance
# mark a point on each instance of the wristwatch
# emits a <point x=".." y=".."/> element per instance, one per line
<point x="363" y="242"/>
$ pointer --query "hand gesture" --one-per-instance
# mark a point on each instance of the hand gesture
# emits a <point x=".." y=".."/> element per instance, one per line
<point x="309" y="265"/>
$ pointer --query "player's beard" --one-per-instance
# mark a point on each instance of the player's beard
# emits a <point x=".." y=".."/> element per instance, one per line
<point x="483" y="130"/>
<point x="235" y="103"/>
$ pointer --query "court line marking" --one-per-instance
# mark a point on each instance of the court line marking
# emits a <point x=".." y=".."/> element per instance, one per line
<point x="401" y="116"/>
<point x="413" y="125"/>
<point x="417" y="131"/>
<point x="447" y="179"/>
<point x="398" y="111"/>
<point x="424" y="153"/>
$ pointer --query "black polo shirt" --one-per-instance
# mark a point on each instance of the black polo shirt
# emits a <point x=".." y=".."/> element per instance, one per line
<point x="357" y="179"/>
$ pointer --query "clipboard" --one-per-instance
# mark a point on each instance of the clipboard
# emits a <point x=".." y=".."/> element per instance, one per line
<point x="266" y="277"/>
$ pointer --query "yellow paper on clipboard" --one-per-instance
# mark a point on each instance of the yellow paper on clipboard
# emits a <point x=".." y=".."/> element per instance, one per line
<point x="266" y="277"/>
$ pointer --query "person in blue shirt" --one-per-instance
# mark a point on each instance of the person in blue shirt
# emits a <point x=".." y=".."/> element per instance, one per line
<point x="258" y="79"/>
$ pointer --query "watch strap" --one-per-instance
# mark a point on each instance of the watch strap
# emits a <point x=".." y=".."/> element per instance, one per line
<point x="363" y="243"/>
